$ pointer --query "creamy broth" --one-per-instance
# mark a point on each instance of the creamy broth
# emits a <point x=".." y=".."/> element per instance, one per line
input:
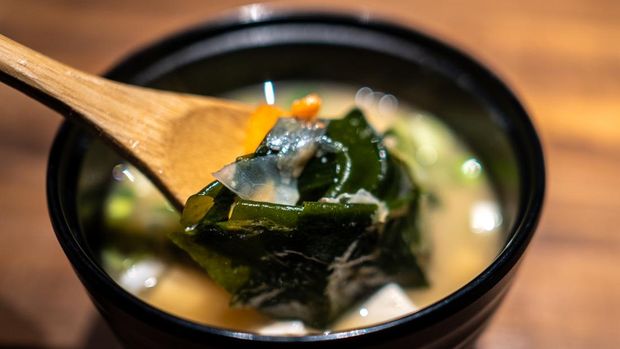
<point x="460" y="219"/>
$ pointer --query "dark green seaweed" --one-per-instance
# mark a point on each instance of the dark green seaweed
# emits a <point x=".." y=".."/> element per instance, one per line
<point x="313" y="260"/>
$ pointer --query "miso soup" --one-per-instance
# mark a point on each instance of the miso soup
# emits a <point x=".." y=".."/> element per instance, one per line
<point x="459" y="219"/>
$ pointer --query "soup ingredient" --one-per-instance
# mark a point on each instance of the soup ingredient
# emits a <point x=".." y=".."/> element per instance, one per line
<point x="306" y="108"/>
<point x="265" y="117"/>
<point x="386" y="304"/>
<point x="318" y="217"/>
<point x="260" y="122"/>
<point x="272" y="175"/>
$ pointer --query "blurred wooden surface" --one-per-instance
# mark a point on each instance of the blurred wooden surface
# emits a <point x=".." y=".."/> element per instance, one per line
<point x="562" y="57"/>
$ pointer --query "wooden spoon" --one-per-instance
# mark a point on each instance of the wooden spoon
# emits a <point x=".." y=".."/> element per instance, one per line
<point x="176" y="139"/>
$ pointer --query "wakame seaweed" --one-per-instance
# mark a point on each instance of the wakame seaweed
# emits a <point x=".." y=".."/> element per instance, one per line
<point x="313" y="260"/>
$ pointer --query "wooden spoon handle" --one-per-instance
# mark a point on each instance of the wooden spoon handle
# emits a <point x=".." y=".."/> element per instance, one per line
<point x="43" y="78"/>
<point x="167" y="135"/>
<point x="121" y="112"/>
<point x="74" y="93"/>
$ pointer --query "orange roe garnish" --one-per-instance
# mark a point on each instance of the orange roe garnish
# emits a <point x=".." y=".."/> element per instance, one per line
<point x="306" y="108"/>
<point x="260" y="123"/>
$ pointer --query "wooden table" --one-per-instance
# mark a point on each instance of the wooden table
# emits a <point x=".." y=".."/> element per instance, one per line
<point x="562" y="57"/>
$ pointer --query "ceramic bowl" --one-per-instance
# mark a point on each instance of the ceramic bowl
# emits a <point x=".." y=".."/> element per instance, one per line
<point x="249" y="48"/>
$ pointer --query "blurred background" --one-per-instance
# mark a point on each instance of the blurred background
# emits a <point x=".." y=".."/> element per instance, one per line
<point x="561" y="57"/>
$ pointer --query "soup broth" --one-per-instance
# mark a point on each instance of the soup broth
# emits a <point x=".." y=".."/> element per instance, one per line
<point x="460" y="220"/>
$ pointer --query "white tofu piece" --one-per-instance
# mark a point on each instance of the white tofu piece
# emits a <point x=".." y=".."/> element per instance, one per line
<point x="284" y="328"/>
<point x="386" y="304"/>
<point x="142" y="275"/>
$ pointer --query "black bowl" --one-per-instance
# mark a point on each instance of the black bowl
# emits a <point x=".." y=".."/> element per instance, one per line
<point x="244" y="50"/>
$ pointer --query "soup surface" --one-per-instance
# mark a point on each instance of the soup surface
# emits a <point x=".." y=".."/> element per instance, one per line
<point x="460" y="220"/>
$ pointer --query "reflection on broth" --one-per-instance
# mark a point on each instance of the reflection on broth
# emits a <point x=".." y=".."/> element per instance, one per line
<point x="460" y="220"/>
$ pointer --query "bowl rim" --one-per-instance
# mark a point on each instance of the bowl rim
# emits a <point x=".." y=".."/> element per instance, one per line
<point x="520" y="235"/>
